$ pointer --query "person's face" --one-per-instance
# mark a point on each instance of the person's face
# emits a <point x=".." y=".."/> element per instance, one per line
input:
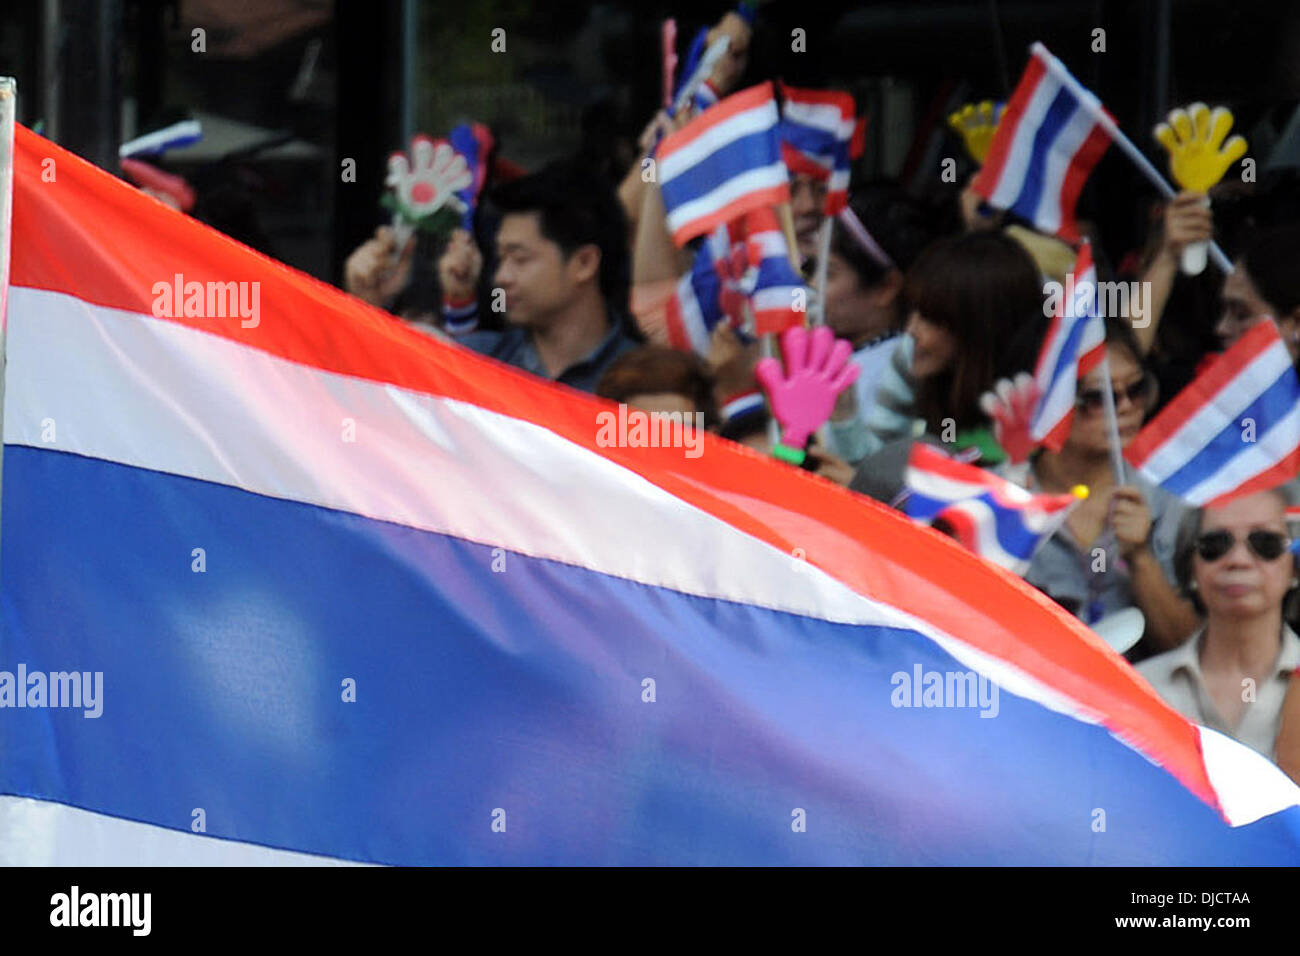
<point x="729" y="69"/>
<point x="1242" y="584"/>
<point x="668" y="402"/>
<point x="807" y="200"/>
<point x="534" y="273"/>
<point x="854" y="310"/>
<point x="935" y="347"/>
<point x="1088" y="432"/>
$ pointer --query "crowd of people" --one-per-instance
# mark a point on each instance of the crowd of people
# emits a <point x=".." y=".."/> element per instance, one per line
<point x="568" y="276"/>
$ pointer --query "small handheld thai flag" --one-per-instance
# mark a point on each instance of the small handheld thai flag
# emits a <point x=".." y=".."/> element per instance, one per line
<point x="770" y="280"/>
<point x="1074" y="346"/>
<point x="696" y="306"/>
<point x="723" y="164"/>
<point x="818" y="132"/>
<point x="747" y="259"/>
<point x="1051" y="135"/>
<point x="1233" y="431"/>
<point x="474" y="142"/>
<point x="996" y="519"/>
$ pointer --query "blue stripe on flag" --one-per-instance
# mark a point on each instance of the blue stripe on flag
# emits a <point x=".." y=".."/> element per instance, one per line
<point x="1271" y="405"/>
<point x="520" y="690"/>
<point x="1054" y="120"/>
<point x="753" y="151"/>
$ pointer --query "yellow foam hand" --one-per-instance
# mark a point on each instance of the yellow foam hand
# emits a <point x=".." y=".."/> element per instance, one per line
<point x="1194" y="138"/>
<point x="976" y="123"/>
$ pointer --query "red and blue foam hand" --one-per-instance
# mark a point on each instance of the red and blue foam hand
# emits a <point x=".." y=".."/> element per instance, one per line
<point x="802" y="396"/>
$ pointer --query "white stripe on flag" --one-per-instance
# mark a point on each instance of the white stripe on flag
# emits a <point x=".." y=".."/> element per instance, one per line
<point x="1021" y="149"/>
<point x="727" y="192"/>
<point x="823" y="116"/>
<point x="943" y="488"/>
<point x="1254" y="458"/>
<point x="1061" y="152"/>
<point x="44" y="833"/>
<point x="692" y="317"/>
<point x="771" y="244"/>
<point x="155" y="394"/>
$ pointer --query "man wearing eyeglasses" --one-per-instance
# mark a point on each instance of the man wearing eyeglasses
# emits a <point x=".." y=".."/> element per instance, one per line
<point x="1237" y="563"/>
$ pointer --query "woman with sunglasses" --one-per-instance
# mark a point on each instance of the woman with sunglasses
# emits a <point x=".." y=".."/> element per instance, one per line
<point x="1116" y="549"/>
<point x="1236" y="561"/>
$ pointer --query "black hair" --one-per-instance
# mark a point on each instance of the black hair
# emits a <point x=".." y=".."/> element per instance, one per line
<point x="900" y="224"/>
<point x="576" y="209"/>
<point x="1273" y="261"/>
<point x="985" y="290"/>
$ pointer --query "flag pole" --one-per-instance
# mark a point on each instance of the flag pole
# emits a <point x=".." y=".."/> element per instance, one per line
<point x="1112" y="422"/>
<point x="8" y="107"/>
<point x="1093" y="106"/>
<point x="817" y="315"/>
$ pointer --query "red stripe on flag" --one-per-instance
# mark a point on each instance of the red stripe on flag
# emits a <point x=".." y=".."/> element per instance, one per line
<point x="1282" y="472"/>
<point x="1081" y="167"/>
<point x="986" y="181"/>
<point x="715" y="115"/>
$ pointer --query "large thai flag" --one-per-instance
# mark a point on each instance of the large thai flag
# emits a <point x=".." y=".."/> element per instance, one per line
<point x="994" y="518"/>
<point x="722" y="164"/>
<point x="817" y="134"/>
<point x="1049" y="139"/>
<point x="361" y="595"/>
<point x="1075" y="344"/>
<point x="1234" y="430"/>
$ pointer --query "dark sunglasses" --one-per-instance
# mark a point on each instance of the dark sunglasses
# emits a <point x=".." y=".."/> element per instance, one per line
<point x="1142" y="392"/>
<point x="1266" y="545"/>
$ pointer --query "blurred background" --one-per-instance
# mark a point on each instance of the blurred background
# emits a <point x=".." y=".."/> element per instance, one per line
<point x="286" y="90"/>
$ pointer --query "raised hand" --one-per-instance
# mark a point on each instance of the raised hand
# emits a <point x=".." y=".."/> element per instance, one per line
<point x="1198" y="158"/>
<point x="1011" y="406"/>
<point x="459" y="267"/>
<point x="817" y="369"/>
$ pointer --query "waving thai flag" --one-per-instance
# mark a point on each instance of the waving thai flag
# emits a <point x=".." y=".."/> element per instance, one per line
<point x="1234" y="430"/>
<point x="722" y="164"/>
<point x="696" y="306"/>
<point x="996" y="519"/>
<point x="288" y="558"/>
<point x="1074" y="346"/>
<point x="1049" y="139"/>
<point x="817" y="134"/>
<point x="745" y="261"/>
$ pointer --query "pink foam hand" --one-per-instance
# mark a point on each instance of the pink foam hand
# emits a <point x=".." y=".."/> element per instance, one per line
<point x="1011" y="406"/>
<point x="802" y="396"/>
